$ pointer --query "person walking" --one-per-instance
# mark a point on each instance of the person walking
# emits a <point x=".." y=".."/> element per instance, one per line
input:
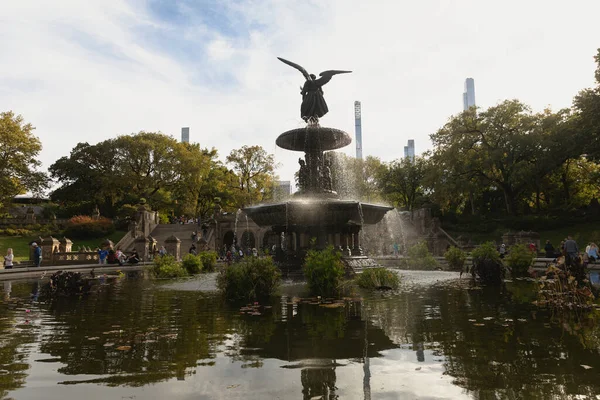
<point x="8" y="259"/>
<point x="571" y="251"/>
<point x="37" y="254"/>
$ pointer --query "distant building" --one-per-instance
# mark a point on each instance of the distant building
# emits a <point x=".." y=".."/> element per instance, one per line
<point x="358" y="129"/>
<point x="185" y="135"/>
<point x="409" y="150"/>
<point x="282" y="190"/>
<point x="469" y="94"/>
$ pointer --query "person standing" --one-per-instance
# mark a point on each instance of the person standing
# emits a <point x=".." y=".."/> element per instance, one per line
<point x="8" y="259"/>
<point x="37" y="255"/>
<point x="549" y="249"/>
<point x="571" y="251"/>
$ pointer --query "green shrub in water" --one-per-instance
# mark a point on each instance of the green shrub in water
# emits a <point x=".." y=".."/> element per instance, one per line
<point x="519" y="259"/>
<point x="250" y="279"/>
<point x="209" y="260"/>
<point x="420" y="257"/>
<point x="167" y="267"/>
<point x="487" y="265"/>
<point x="192" y="264"/>
<point x="456" y="258"/>
<point x="324" y="271"/>
<point x="378" y="278"/>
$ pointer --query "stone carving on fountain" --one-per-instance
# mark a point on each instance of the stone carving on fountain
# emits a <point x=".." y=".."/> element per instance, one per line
<point x="316" y="217"/>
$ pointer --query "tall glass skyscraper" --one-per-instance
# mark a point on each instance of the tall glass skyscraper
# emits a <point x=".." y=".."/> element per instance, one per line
<point x="358" y="129"/>
<point x="185" y="135"/>
<point x="469" y="94"/>
<point x="409" y="151"/>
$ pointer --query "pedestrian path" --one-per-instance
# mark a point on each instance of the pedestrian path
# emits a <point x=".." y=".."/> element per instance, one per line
<point x="33" y="272"/>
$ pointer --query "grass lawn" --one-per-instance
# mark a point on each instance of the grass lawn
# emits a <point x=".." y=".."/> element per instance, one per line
<point x="20" y="246"/>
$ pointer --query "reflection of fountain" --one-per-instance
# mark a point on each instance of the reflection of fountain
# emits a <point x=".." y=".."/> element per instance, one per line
<point x="316" y="217"/>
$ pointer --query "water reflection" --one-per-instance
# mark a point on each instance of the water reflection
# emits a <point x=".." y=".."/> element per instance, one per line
<point x="448" y="340"/>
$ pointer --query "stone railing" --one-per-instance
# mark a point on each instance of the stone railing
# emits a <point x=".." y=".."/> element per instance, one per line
<point x="72" y="258"/>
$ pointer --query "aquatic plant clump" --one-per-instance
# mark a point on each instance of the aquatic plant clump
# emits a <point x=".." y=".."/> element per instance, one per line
<point x="251" y="279"/>
<point x="456" y="258"/>
<point x="558" y="289"/>
<point x="519" y="260"/>
<point x="209" y="260"/>
<point x="378" y="278"/>
<point x="66" y="283"/>
<point x="487" y="265"/>
<point x="324" y="271"/>
<point x="167" y="267"/>
<point x="419" y="257"/>
<point x="192" y="264"/>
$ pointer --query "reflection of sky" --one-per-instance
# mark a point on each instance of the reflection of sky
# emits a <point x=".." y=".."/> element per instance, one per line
<point x="392" y="377"/>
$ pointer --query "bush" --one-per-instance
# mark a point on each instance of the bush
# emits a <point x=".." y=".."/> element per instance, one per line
<point x="519" y="259"/>
<point x="192" y="264"/>
<point x="84" y="227"/>
<point x="209" y="260"/>
<point x="378" y="278"/>
<point x="167" y="267"/>
<point x="455" y="258"/>
<point x="420" y="257"/>
<point x="324" y="271"/>
<point x="251" y="279"/>
<point x="487" y="265"/>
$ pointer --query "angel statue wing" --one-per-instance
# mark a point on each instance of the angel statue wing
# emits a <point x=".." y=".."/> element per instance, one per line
<point x="326" y="76"/>
<point x="298" y="67"/>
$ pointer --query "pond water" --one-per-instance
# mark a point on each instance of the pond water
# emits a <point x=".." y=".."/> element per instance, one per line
<point x="437" y="338"/>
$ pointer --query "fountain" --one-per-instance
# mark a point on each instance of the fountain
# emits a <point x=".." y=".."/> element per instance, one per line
<point x="316" y="217"/>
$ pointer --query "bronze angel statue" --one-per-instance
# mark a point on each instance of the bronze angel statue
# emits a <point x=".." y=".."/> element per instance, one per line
<point x="313" y="103"/>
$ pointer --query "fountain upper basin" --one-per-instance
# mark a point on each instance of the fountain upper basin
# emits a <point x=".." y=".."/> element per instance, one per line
<point x="313" y="138"/>
<point x="317" y="212"/>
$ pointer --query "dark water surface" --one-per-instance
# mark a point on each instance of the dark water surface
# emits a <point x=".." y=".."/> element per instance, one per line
<point x="436" y="338"/>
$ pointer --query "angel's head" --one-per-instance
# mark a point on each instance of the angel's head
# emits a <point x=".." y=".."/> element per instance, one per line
<point x="313" y="76"/>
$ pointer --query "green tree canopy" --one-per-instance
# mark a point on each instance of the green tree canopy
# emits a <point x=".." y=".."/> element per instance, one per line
<point x="255" y="172"/>
<point x="18" y="159"/>
<point x="124" y="170"/>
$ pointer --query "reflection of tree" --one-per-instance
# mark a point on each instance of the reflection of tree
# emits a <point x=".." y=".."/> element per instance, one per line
<point x="167" y="332"/>
<point x="516" y="354"/>
<point x="13" y="353"/>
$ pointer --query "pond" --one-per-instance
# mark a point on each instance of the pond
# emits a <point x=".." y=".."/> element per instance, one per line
<point x="438" y="337"/>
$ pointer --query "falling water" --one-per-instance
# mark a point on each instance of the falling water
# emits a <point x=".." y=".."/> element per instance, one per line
<point x="237" y="217"/>
<point x="247" y="233"/>
<point x="361" y="233"/>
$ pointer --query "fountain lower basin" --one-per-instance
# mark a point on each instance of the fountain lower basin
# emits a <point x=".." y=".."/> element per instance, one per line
<point x="332" y="213"/>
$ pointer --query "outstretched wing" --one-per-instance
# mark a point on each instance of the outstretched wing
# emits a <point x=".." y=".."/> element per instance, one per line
<point x="325" y="76"/>
<point x="333" y="72"/>
<point x="298" y="67"/>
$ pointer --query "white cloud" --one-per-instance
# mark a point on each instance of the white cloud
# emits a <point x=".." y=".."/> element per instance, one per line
<point x="87" y="71"/>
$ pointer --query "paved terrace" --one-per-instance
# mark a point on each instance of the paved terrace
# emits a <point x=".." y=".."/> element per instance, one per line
<point x="20" y="272"/>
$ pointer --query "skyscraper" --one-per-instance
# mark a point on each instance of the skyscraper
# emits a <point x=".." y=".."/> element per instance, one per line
<point x="409" y="150"/>
<point x="185" y="135"/>
<point x="469" y="94"/>
<point x="282" y="190"/>
<point x="358" y="129"/>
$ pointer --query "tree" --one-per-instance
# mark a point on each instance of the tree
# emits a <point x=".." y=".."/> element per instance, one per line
<point x="587" y="111"/>
<point x="505" y="148"/>
<point x="18" y="159"/>
<point x="254" y="168"/>
<point x="124" y="170"/>
<point x="354" y="177"/>
<point x="401" y="182"/>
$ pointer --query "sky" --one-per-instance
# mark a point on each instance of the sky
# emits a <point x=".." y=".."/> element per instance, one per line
<point x="86" y="71"/>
